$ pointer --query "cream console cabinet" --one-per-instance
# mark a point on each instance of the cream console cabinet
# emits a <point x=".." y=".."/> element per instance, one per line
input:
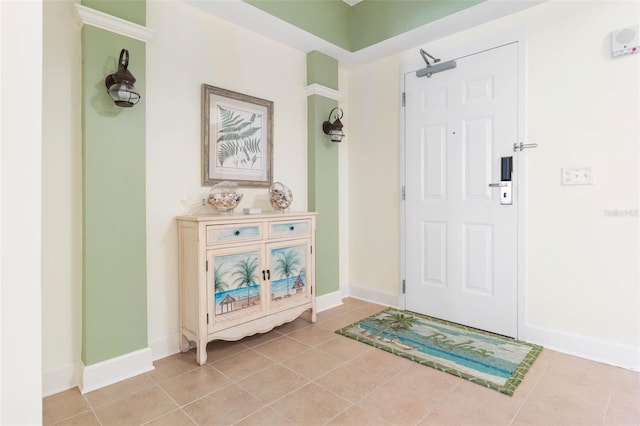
<point x="243" y="274"/>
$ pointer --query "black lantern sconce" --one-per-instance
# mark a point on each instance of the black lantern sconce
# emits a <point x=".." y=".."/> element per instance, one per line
<point x="334" y="130"/>
<point x="120" y="84"/>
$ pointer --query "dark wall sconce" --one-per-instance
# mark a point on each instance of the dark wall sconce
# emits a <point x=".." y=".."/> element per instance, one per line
<point x="120" y="84"/>
<point x="334" y="130"/>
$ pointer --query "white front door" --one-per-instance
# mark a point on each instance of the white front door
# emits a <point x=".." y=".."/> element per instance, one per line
<point x="461" y="243"/>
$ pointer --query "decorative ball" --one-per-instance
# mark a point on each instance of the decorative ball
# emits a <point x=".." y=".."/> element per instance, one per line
<point x="224" y="196"/>
<point x="280" y="196"/>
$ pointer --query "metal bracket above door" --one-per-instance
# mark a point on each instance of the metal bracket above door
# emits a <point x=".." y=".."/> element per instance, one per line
<point x="521" y="146"/>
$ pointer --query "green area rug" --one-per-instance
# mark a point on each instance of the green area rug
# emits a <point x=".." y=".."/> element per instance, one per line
<point x="490" y="360"/>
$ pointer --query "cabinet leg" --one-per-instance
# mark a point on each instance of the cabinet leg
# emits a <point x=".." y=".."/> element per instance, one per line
<point x="201" y="352"/>
<point x="310" y="315"/>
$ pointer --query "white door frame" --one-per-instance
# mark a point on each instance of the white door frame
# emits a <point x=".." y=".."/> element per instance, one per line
<point x="473" y="45"/>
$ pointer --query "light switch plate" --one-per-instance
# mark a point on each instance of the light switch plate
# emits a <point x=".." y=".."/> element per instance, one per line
<point x="577" y="176"/>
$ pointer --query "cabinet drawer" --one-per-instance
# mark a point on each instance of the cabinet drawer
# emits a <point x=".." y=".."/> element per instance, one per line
<point x="217" y="234"/>
<point x="286" y="229"/>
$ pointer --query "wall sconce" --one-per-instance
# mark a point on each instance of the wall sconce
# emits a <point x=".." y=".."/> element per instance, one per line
<point x="334" y="130"/>
<point x="120" y="84"/>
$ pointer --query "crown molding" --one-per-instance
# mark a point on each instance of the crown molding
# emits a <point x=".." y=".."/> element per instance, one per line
<point x="318" y="89"/>
<point x="95" y="18"/>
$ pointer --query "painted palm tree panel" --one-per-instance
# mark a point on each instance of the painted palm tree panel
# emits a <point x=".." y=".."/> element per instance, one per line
<point x="288" y="274"/>
<point x="236" y="285"/>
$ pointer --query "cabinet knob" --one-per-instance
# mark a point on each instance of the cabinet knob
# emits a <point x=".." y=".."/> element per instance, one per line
<point x="237" y="232"/>
<point x="291" y="228"/>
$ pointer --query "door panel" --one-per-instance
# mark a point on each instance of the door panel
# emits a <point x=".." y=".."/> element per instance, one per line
<point x="461" y="243"/>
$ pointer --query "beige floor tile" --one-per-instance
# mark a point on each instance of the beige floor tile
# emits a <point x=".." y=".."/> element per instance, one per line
<point x="272" y="383"/>
<point x="626" y="386"/>
<point x="622" y="413"/>
<point x="223" y="407"/>
<point x="118" y="390"/>
<point x="344" y="348"/>
<point x="356" y="416"/>
<point x="324" y="315"/>
<point x="397" y="404"/>
<point x="555" y="413"/>
<point x="577" y="391"/>
<point x="219" y="349"/>
<point x="195" y="384"/>
<point x="63" y="405"/>
<point x="350" y="382"/>
<point x="260" y="338"/>
<point x="312" y="364"/>
<point x="445" y="416"/>
<point x="295" y="325"/>
<point x="282" y="348"/>
<point x="427" y="381"/>
<point x="88" y="418"/>
<point x="486" y="405"/>
<point x="136" y="409"/>
<point x="242" y="364"/>
<point x="381" y="363"/>
<point x="345" y="307"/>
<point x="174" y="418"/>
<point x="265" y="417"/>
<point x="310" y="405"/>
<point x="357" y="302"/>
<point x="264" y="380"/>
<point x="172" y="366"/>
<point x="579" y="371"/>
<point x="312" y="336"/>
<point x="336" y="322"/>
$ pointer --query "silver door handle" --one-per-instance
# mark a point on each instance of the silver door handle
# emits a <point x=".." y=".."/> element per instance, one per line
<point x="498" y="185"/>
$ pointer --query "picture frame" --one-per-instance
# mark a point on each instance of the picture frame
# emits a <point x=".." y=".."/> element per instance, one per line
<point x="237" y="138"/>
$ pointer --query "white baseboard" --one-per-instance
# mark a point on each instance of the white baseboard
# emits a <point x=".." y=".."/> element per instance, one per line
<point x="61" y="379"/>
<point x="114" y="370"/>
<point x="328" y="301"/>
<point x="165" y="346"/>
<point x="585" y="347"/>
<point x="375" y="296"/>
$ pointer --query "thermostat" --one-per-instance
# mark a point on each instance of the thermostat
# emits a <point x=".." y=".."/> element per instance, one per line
<point x="625" y="41"/>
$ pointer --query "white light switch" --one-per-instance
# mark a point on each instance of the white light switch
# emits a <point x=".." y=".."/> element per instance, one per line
<point x="577" y="176"/>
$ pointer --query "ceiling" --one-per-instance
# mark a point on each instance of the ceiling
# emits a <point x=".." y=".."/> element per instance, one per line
<point x="256" y="20"/>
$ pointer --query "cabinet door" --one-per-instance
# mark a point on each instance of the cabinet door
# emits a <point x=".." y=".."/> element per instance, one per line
<point x="235" y="286"/>
<point x="289" y="264"/>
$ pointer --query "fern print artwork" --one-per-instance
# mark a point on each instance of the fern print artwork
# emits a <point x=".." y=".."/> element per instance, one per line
<point x="238" y="139"/>
<point x="237" y="142"/>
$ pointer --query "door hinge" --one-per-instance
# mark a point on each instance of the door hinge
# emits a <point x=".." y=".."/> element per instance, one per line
<point x="404" y="99"/>
<point x="404" y="193"/>
<point x="311" y="249"/>
<point x="207" y="265"/>
<point x="404" y="286"/>
<point x="207" y="318"/>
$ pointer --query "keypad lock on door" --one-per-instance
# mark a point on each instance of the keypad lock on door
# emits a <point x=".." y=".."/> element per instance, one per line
<point x="505" y="184"/>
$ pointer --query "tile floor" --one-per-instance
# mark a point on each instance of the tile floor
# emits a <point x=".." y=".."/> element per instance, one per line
<point x="306" y="374"/>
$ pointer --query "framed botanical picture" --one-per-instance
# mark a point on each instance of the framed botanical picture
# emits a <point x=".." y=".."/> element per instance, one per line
<point x="237" y="138"/>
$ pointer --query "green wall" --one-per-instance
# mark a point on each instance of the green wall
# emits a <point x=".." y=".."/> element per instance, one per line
<point x="327" y="19"/>
<point x="373" y="21"/>
<point x="368" y="22"/>
<point x="323" y="181"/>
<point x="114" y="200"/>
<point x="322" y="69"/>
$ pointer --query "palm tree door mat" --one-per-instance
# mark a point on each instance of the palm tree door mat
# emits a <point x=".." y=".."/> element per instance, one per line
<point x="488" y="359"/>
